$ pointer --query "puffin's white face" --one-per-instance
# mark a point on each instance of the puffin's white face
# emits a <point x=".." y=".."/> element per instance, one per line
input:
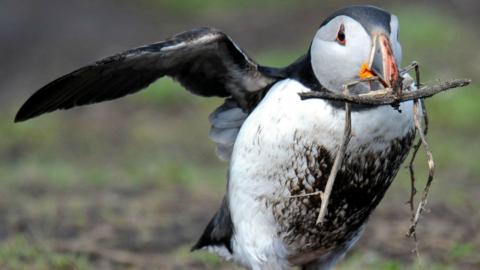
<point x="343" y="51"/>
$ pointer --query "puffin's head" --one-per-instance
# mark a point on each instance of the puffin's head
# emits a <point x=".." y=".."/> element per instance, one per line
<point x="356" y="42"/>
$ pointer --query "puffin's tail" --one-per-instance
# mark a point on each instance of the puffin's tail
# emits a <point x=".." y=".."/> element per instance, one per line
<point x="219" y="230"/>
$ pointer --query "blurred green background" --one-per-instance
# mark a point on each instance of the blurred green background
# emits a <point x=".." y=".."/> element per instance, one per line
<point x="130" y="184"/>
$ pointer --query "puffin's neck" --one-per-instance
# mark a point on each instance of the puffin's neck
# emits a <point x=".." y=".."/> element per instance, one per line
<point x="301" y="70"/>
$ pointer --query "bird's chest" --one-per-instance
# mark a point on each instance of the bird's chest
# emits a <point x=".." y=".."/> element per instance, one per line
<point x="360" y="184"/>
<point x="286" y="148"/>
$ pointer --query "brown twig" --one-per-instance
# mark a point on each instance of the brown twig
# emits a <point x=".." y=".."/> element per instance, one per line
<point x="337" y="163"/>
<point x="431" y="170"/>
<point x="387" y="96"/>
<point x="412" y="230"/>
<point x="307" y="195"/>
<point x="413" y="189"/>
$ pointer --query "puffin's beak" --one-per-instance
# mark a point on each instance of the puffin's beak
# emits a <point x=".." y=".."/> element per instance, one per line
<point x="382" y="62"/>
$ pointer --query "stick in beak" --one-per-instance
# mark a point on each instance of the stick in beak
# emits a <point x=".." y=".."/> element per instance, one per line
<point x="382" y="63"/>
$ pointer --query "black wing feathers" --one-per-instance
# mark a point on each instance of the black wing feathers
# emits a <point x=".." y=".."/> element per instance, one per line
<point x="204" y="60"/>
<point x="219" y="230"/>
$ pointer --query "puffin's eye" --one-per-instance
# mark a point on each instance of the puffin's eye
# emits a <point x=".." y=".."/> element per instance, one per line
<point x="341" y="36"/>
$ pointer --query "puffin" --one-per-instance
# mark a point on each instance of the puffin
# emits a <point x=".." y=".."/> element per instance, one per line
<point x="280" y="148"/>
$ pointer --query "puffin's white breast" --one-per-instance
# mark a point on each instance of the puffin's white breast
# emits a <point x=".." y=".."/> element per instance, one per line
<point x="282" y="117"/>
<point x="269" y="143"/>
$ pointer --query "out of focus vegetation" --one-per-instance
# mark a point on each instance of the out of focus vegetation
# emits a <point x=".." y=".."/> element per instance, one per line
<point x="138" y="178"/>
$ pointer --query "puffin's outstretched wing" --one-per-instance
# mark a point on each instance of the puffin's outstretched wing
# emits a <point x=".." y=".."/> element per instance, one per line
<point x="204" y="60"/>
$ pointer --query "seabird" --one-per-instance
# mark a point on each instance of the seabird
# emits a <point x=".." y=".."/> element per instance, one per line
<point x="278" y="146"/>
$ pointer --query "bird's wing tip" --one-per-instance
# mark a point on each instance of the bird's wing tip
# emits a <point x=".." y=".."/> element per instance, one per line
<point x="19" y="118"/>
<point x="23" y="116"/>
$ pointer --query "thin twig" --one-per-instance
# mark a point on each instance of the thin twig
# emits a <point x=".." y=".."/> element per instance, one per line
<point x="414" y="219"/>
<point x="347" y="135"/>
<point x="413" y="190"/>
<point x="407" y="69"/>
<point x="431" y="170"/>
<point x="307" y="195"/>
<point x="387" y="96"/>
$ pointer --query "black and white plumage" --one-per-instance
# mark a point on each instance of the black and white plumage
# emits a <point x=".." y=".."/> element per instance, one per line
<point x="278" y="145"/>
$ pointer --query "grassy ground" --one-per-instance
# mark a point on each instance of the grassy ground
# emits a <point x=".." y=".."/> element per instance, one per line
<point x="131" y="184"/>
